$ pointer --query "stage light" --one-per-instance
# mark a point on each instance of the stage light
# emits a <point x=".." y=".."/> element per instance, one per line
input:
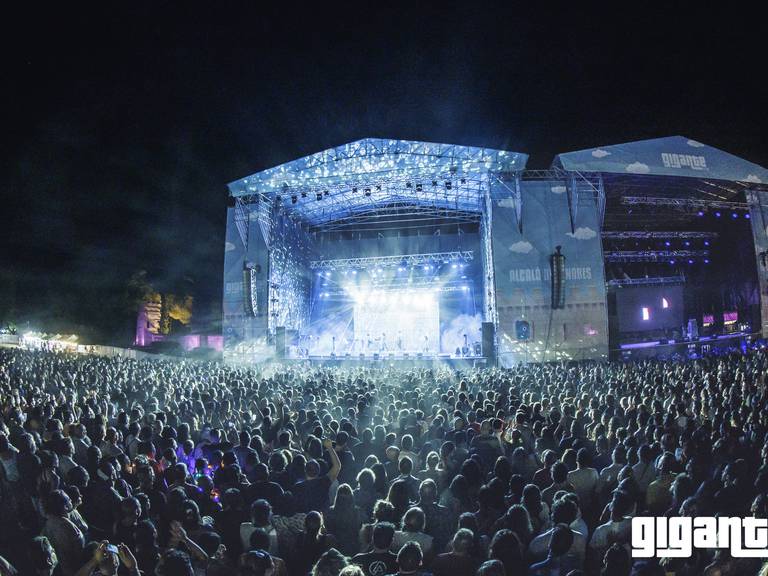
<point x="354" y="190"/>
<point x="734" y="215"/>
<point x="448" y="184"/>
<point x="327" y="274"/>
<point x="401" y="269"/>
<point x="706" y="242"/>
<point x="671" y="261"/>
<point x="465" y="288"/>
<point x="378" y="187"/>
<point x="706" y="260"/>
<point x="690" y="261"/>
<point x="687" y="243"/>
<point x="454" y="266"/>
<point x="700" y="213"/>
<point x="319" y="196"/>
<point x="667" y="243"/>
<point x="354" y="272"/>
<point x="407" y="184"/>
<point x="717" y="214"/>
<point x="325" y="193"/>
<point x="434" y="182"/>
<point x="418" y="187"/>
<point x="426" y="268"/>
<point x="367" y="192"/>
<point x="294" y="199"/>
<point x="747" y="216"/>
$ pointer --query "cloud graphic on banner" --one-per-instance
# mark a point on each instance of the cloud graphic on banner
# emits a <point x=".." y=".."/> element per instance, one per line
<point x="582" y="233"/>
<point x="228" y="247"/>
<point x="521" y="247"/>
<point x="754" y="179"/>
<point x="507" y="203"/>
<point x="558" y="189"/>
<point x="695" y="144"/>
<point x="600" y="153"/>
<point x="638" y="168"/>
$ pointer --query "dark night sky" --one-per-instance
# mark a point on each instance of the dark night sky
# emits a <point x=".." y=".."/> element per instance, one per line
<point x="123" y="125"/>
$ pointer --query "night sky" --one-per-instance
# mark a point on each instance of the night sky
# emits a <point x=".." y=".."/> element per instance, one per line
<point x="123" y="124"/>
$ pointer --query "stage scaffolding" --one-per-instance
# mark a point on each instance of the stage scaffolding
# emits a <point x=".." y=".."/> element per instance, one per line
<point x="371" y="182"/>
<point x="392" y="261"/>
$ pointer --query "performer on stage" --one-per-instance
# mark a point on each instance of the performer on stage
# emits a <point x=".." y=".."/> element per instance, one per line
<point x="426" y="343"/>
<point x="399" y="341"/>
<point x="383" y="345"/>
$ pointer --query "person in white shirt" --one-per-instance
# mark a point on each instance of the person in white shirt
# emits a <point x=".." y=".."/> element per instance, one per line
<point x="644" y="471"/>
<point x="610" y="474"/>
<point x="413" y="531"/>
<point x="564" y="511"/>
<point x="584" y="479"/>
<point x="617" y="530"/>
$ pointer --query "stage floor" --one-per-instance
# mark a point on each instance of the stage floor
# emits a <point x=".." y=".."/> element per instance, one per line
<point x="401" y="361"/>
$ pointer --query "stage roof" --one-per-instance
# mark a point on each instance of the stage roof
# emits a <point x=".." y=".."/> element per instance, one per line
<point x="671" y="156"/>
<point x="370" y="175"/>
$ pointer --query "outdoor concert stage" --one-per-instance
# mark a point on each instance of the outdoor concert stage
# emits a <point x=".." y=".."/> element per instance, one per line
<point x="391" y="249"/>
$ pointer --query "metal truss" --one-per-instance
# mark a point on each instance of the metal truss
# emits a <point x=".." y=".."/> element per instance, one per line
<point x="683" y="203"/>
<point x="646" y="281"/>
<point x="400" y="286"/>
<point x="647" y="234"/>
<point x="361" y="159"/>
<point x="652" y="255"/>
<point x="391" y="261"/>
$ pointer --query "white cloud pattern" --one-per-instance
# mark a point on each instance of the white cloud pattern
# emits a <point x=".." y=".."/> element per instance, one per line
<point x="695" y="144"/>
<point x="507" y="203"/>
<point x="521" y="247"/>
<point x="600" y="153"/>
<point x="558" y="189"/>
<point x="753" y="178"/>
<point x="582" y="233"/>
<point x="638" y="168"/>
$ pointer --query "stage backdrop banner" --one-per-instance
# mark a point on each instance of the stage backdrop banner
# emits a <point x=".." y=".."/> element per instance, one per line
<point x="522" y="272"/>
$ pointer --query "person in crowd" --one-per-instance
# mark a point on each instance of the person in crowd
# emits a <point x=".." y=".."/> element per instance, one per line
<point x="381" y="560"/>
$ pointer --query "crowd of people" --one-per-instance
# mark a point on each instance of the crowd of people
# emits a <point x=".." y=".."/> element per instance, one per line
<point x="117" y="466"/>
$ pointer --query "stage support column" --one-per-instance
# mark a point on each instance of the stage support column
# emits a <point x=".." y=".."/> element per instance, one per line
<point x="758" y="213"/>
<point x="489" y="342"/>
